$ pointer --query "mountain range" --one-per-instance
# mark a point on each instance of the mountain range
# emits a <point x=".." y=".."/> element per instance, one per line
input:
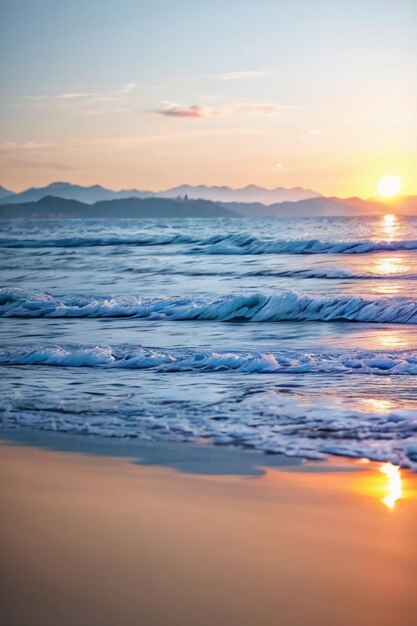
<point x="96" y="193"/>
<point x="61" y="208"/>
<point x="55" y="207"/>
<point x="5" y="193"/>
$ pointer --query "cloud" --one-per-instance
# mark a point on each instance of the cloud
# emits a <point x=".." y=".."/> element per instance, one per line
<point x="29" y="154"/>
<point x="8" y="147"/>
<point x="195" y="110"/>
<point x="76" y="95"/>
<point x="240" y="108"/>
<point x="15" y="163"/>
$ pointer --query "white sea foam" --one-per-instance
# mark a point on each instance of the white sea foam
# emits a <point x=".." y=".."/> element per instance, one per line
<point x="279" y="307"/>
<point x="267" y="421"/>
<point x="178" y="359"/>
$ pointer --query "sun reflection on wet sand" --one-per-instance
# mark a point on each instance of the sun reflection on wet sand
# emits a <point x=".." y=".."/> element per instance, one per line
<point x="383" y="482"/>
<point x="394" y="485"/>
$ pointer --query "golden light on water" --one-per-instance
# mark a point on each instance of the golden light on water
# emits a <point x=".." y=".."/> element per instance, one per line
<point x="394" y="339"/>
<point x="388" y="186"/>
<point x="388" y="219"/>
<point x="377" y="404"/>
<point x="389" y="225"/>
<point x="394" y="488"/>
<point x="389" y="265"/>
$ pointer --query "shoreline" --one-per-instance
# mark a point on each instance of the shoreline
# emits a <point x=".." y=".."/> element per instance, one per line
<point x="93" y="538"/>
<point x="200" y="457"/>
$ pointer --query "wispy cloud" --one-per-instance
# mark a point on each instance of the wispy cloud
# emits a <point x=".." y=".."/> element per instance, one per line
<point x="25" y="146"/>
<point x="15" y="163"/>
<point x="77" y="95"/>
<point x="194" y="110"/>
<point x="15" y="155"/>
<point x="239" y="108"/>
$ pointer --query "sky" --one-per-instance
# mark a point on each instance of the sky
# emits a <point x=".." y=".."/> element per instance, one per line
<point x="132" y="93"/>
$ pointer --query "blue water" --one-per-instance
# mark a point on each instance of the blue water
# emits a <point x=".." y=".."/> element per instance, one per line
<point x="296" y="336"/>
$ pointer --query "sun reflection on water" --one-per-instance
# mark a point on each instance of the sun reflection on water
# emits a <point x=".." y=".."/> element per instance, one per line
<point x="377" y="404"/>
<point x="389" y="265"/>
<point x="389" y="225"/>
<point x="394" y="339"/>
<point x="393" y="488"/>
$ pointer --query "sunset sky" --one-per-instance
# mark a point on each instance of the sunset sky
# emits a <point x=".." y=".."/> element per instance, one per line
<point x="150" y="95"/>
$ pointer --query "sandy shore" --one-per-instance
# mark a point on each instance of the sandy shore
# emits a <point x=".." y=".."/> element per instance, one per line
<point x="88" y="539"/>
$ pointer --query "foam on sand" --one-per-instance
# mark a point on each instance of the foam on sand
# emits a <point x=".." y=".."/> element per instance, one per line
<point x="269" y="421"/>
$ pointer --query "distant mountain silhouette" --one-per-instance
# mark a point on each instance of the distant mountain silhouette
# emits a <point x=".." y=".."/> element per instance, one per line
<point x="250" y="193"/>
<point x="161" y="207"/>
<point x="96" y="193"/>
<point x="327" y="207"/>
<point x="53" y="207"/>
<point x="89" y="195"/>
<point x="5" y="193"/>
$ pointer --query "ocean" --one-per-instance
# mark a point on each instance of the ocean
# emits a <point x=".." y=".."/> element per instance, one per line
<point x="292" y="336"/>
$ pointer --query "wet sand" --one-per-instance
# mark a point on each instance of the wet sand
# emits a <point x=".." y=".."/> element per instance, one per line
<point x="92" y="540"/>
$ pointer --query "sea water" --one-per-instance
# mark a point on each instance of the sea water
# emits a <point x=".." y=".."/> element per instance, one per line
<point x="296" y="336"/>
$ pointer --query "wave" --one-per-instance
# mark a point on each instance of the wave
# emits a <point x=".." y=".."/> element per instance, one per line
<point x="320" y="274"/>
<point x="97" y="240"/>
<point x="330" y="274"/>
<point x="324" y="273"/>
<point x="177" y="360"/>
<point x="247" y="244"/>
<point x="269" y="421"/>
<point x="239" y="244"/>
<point x="283" y="306"/>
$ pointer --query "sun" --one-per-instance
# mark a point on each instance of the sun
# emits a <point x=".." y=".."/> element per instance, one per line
<point x="388" y="186"/>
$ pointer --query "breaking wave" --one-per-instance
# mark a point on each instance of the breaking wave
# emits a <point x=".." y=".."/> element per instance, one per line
<point x="97" y="240"/>
<point x="178" y="359"/>
<point x="322" y="274"/>
<point x="280" y="307"/>
<point x="330" y="274"/>
<point x="238" y="244"/>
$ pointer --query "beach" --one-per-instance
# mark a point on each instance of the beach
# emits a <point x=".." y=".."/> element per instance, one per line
<point x="208" y="313"/>
<point x="92" y="538"/>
